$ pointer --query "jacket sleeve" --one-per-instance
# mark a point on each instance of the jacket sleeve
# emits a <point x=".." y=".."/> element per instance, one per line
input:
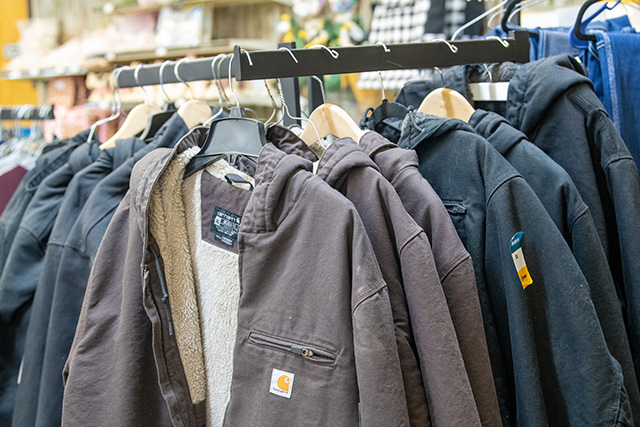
<point x="381" y="390"/>
<point x="557" y="353"/>
<point x="110" y="376"/>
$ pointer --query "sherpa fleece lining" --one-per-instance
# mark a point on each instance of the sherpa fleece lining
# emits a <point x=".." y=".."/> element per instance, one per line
<point x="217" y="283"/>
<point x="168" y="225"/>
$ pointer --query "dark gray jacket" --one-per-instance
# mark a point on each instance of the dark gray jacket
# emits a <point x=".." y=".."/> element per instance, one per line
<point x="22" y="269"/>
<point x="46" y="164"/>
<point x="563" y="116"/>
<point x="421" y="316"/>
<point x="125" y="369"/>
<point x="78" y="190"/>
<point x="548" y="353"/>
<point x="561" y="199"/>
<point x="453" y="262"/>
<point x="77" y="257"/>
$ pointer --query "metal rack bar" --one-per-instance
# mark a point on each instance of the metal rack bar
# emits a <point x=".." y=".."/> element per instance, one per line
<point x="271" y="64"/>
<point x="27" y="112"/>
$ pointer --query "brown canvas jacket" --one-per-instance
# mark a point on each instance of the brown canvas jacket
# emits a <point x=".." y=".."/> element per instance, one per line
<point x="452" y="261"/>
<point x="308" y="280"/>
<point x="434" y="372"/>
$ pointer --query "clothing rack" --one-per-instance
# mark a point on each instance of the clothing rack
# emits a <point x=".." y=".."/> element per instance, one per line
<point x="27" y="112"/>
<point x="280" y="64"/>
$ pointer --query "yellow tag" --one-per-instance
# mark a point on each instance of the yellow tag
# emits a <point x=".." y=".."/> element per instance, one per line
<point x="521" y="267"/>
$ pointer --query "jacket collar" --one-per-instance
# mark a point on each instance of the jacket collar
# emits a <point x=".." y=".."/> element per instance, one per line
<point x="342" y="156"/>
<point x="272" y="174"/>
<point x="83" y="156"/>
<point x="497" y="130"/>
<point x="419" y="127"/>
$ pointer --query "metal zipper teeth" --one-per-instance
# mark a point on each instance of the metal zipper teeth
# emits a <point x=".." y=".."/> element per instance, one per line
<point x="165" y="292"/>
<point x="307" y="352"/>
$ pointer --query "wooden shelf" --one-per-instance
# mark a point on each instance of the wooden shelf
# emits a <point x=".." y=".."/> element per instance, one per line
<point x="113" y="59"/>
<point x="115" y="9"/>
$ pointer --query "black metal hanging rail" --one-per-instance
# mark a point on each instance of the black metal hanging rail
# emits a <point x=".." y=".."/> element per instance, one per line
<point x="274" y="64"/>
<point x="27" y="112"/>
<point x="271" y="64"/>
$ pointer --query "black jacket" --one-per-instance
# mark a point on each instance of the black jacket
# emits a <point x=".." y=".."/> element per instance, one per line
<point x="553" y="103"/>
<point x="561" y="199"/>
<point x="46" y="164"/>
<point x="75" y="197"/>
<point x="22" y="269"/>
<point x="549" y="357"/>
<point x="75" y="265"/>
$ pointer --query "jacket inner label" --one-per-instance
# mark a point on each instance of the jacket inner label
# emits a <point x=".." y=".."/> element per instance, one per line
<point x="225" y="226"/>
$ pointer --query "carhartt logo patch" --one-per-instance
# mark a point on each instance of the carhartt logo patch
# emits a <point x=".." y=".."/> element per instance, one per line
<point x="281" y="383"/>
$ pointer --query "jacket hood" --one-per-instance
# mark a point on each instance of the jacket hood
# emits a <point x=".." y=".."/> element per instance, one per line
<point x="84" y="155"/>
<point x="393" y="162"/>
<point x="537" y="85"/>
<point x="496" y="129"/>
<point x="418" y="126"/>
<point x="342" y="156"/>
<point x="272" y="173"/>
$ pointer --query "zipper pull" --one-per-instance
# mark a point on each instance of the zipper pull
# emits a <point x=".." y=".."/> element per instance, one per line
<point x="304" y="352"/>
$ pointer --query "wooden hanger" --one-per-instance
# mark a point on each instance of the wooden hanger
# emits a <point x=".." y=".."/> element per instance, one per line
<point x="329" y="119"/>
<point x="448" y="103"/>
<point x="194" y="113"/>
<point x="137" y="118"/>
<point x="135" y="123"/>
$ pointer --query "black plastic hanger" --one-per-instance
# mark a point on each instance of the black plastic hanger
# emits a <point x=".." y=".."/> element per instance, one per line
<point x="577" y="27"/>
<point x="505" y="18"/>
<point x="231" y="136"/>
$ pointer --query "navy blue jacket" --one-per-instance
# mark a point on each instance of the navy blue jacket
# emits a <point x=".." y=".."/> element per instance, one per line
<point x="46" y="164"/>
<point x="22" y="269"/>
<point x="76" y="195"/>
<point x="549" y="357"/>
<point x="553" y="103"/>
<point x="561" y="199"/>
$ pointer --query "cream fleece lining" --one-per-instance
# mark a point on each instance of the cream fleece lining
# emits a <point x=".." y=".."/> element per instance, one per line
<point x="168" y="225"/>
<point x="217" y="283"/>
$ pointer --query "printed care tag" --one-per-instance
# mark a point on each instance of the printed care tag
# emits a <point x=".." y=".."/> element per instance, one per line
<point x="518" y="260"/>
<point x="225" y="226"/>
<point x="281" y="383"/>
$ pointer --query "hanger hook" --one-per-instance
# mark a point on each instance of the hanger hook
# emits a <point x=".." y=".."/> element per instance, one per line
<point x="441" y="76"/>
<point x="488" y="72"/>
<point x="503" y="42"/>
<point x="453" y="47"/>
<point x="290" y="53"/>
<point x="231" y="85"/>
<point x="319" y="80"/>
<point x="477" y="19"/>
<point x="118" y="107"/>
<point x="214" y="73"/>
<point x="384" y="46"/>
<point x="176" y="71"/>
<point x="334" y="53"/>
<point x="161" y="76"/>
<point x="248" y="56"/>
<point x="136" y="74"/>
<point x="286" y="109"/>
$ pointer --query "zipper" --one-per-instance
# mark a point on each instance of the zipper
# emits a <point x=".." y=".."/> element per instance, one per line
<point x="455" y="208"/>
<point x="312" y="353"/>
<point x="165" y="292"/>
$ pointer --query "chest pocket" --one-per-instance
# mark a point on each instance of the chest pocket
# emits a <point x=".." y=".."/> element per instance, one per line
<point x="458" y="213"/>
